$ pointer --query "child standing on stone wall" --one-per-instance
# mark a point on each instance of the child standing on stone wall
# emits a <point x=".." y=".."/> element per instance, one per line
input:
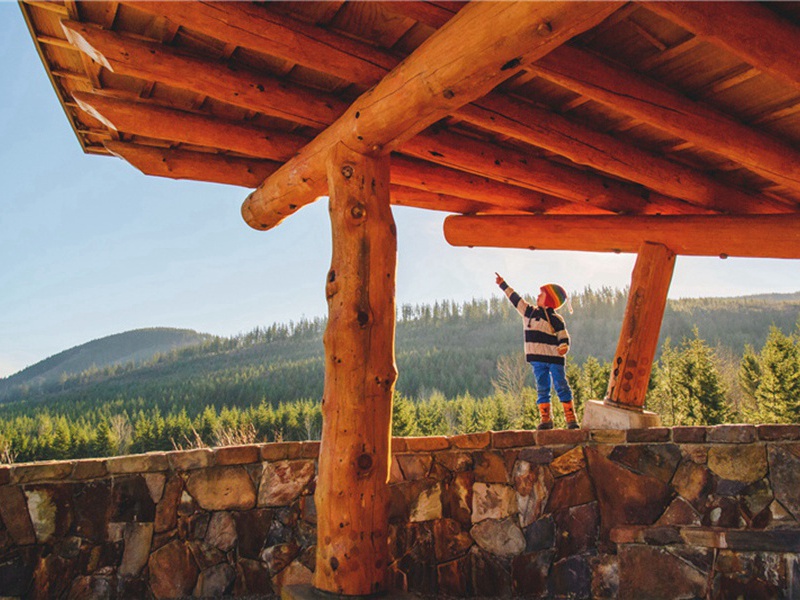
<point x="546" y="345"/>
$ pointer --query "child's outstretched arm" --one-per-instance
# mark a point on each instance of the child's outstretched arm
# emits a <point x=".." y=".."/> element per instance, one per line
<point x="522" y="307"/>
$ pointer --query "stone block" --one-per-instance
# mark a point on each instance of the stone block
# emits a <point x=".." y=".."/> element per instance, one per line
<point x="89" y="468"/>
<point x="236" y="455"/>
<point x="15" y="516"/>
<point x="529" y="574"/>
<point x="310" y="449"/>
<point x="533" y="484"/>
<point x="689" y="435"/>
<point x="571" y="490"/>
<point x="492" y="501"/>
<point x="500" y="538"/>
<point x="414" y="466"/>
<point x="137" y="537"/>
<point x="131" y="500"/>
<point x="571" y="578"/>
<point x="540" y="535"/>
<point x="784" y="467"/>
<point x="679" y="512"/>
<point x="275" y="451"/>
<point x="738" y="462"/>
<point x="569" y="462"/>
<point x="455" y="462"/>
<point x="626" y="534"/>
<point x="427" y="506"/>
<point x="704" y="537"/>
<point x="137" y="463"/>
<point x="450" y="540"/>
<point x="5" y="474"/>
<point x="52" y="470"/>
<point x="649" y="435"/>
<point x="399" y="444"/>
<point x="537" y="456"/>
<point x="427" y="444"/>
<point x="662" y="536"/>
<point x="215" y="581"/>
<point x="556" y="437"/>
<point x="577" y="530"/>
<point x="607" y="436"/>
<point x="490" y="467"/>
<point x="283" y="481"/>
<point x="655" y="573"/>
<point x="778" y="433"/>
<point x="731" y="434"/>
<point x="653" y="460"/>
<point x="776" y="540"/>
<point x="187" y="460"/>
<point x="222" y="488"/>
<point x="513" y="439"/>
<point x="599" y="415"/>
<point x="173" y="571"/>
<point x="471" y="441"/>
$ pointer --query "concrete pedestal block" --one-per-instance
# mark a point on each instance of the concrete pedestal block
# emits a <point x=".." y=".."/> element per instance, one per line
<point x="308" y="592"/>
<point x="599" y="415"/>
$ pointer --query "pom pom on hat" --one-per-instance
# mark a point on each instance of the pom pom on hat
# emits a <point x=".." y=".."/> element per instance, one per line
<point x="555" y="296"/>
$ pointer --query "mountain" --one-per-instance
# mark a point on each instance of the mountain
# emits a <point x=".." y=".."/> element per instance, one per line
<point x="136" y="346"/>
<point x="448" y="346"/>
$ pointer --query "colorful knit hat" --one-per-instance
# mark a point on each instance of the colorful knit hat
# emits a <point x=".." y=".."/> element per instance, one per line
<point x="554" y="296"/>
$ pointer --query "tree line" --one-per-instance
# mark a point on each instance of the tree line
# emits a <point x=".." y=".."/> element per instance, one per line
<point x="461" y="370"/>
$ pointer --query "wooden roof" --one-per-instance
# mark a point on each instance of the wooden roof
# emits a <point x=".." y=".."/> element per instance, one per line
<point x="662" y="108"/>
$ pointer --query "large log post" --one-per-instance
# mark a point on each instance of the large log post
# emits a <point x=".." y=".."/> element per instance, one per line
<point x="638" y="339"/>
<point x="352" y="495"/>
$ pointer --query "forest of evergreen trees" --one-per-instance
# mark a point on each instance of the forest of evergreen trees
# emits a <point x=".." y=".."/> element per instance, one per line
<point x="461" y="370"/>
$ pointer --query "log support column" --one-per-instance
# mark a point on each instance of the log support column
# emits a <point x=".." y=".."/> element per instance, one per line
<point x="352" y="494"/>
<point x="638" y="342"/>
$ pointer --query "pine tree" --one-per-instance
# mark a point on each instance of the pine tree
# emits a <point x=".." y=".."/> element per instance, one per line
<point x="778" y="392"/>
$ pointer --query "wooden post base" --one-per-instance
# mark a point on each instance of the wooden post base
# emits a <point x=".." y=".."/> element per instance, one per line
<point x="308" y="592"/>
<point x="605" y="415"/>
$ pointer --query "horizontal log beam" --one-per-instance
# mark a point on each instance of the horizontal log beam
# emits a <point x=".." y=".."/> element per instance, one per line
<point x="638" y="96"/>
<point x="749" y="30"/>
<point x="585" y="146"/>
<point x="440" y="76"/>
<point x="524" y="169"/>
<point x="758" y="236"/>
<point x="159" y="122"/>
<point x="152" y="61"/>
<point x="196" y="166"/>
<point x="215" y="168"/>
<point x="257" y="27"/>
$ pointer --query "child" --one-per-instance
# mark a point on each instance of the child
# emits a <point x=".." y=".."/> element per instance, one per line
<point x="546" y="344"/>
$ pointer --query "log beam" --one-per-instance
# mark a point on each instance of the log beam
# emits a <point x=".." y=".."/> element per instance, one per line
<point x="749" y="30"/>
<point x="639" y="97"/>
<point x="758" y="236"/>
<point x="585" y="146"/>
<point x="641" y="324"/>
<point x="244" y="172"/>
<point x="159" y="122"/>
<point x="196" y="166"/>
<point x="443" y="74"/>
<point x="352" y="495"/>
<point x="520" y="168"/>
<point x="152" y="61"/>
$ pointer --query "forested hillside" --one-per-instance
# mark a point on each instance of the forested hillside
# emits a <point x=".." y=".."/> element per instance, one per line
<point x="120" y="349"/>
<point x="267" y="383"/>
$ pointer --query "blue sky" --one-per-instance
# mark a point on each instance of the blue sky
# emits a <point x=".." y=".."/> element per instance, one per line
<point x="90" y="247"/>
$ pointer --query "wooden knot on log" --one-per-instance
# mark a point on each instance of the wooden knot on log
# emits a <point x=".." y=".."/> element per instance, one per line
<point x="545" y="29"/>
<point x="347" y="171"/>
<point x="358" y="211"/>
<point x="364" y="462"/>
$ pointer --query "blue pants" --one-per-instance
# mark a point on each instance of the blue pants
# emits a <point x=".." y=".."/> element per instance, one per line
<point x="543" y="371"/>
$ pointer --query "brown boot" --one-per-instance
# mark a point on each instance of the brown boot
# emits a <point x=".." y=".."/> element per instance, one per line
<point x="544" y="413"/>
<point x="569" y="413"/>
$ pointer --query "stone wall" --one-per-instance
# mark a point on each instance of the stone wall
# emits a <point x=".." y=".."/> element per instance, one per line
<point x="657" y="513"/>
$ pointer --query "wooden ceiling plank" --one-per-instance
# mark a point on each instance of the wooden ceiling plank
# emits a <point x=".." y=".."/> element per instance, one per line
<point x="258" y="28"/>
<point x="761" y="236"/>
<point x="151" y="120"/>
<point x="55" y="41"/>
<point x="150" y="60"/>
<point x="196" y="166"/>
<point x="661" y="107"/>
<point x="424" y="12"/>
<point x="749" y="30"/>
<point x="483" y="45"/>
<point x="609" y="154"/>
<point x="53" y="7"/>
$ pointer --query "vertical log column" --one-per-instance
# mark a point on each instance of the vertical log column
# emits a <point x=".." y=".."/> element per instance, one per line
<point x="352" y="495"/>
<point x="638" y="339"/>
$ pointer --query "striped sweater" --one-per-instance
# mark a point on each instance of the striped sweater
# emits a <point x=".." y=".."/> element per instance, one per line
<point x="545" y="330"/>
